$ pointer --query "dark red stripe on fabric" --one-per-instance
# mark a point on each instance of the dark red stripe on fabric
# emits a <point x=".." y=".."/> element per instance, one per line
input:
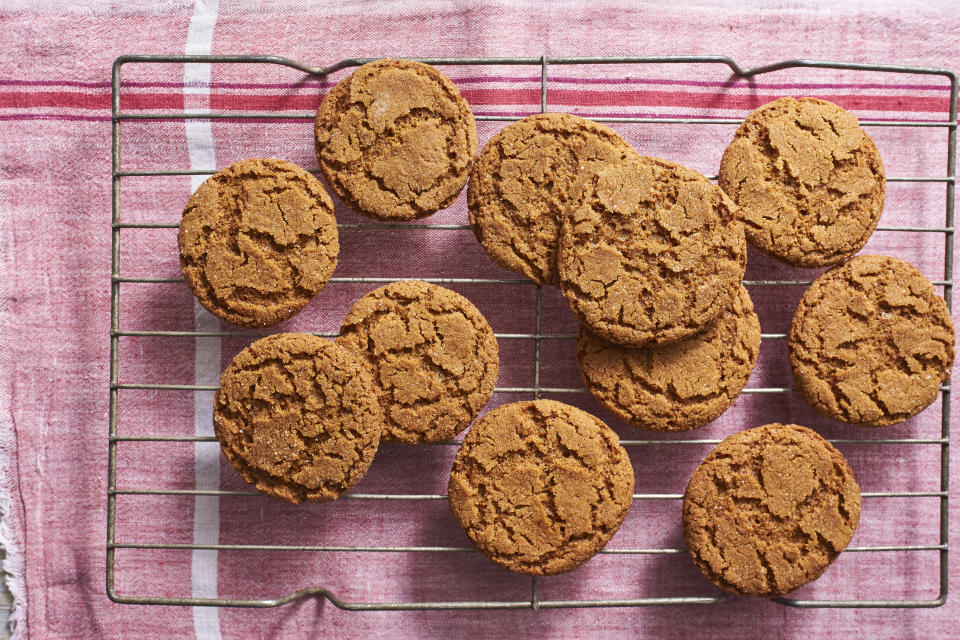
<point x="92" y="101"/>
<point x="743" y="83"/>
<point x="6" y="82"/>
<point x="648" y="114"/>
<point x="586" y="98"/>
<point x="151" y="102"/>
<point x="73" y="99"/>
<point x="720" y="119"/>
<point x="234" y="102"/>
<point x="53" y="116"/>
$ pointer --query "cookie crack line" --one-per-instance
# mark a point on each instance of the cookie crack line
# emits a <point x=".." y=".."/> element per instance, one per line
<point x="307" y="458"/>
<point x="304" y="461"/>
<point x="449" y="377"/>
<point x="419" y="69"/>
<point x="520" y="249"/>
<point x="770" y="575"/>
<point x="497" y="517"/>
<point x="387" y="141"/>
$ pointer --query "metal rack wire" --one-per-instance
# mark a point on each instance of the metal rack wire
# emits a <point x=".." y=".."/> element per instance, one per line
<point x="119" y="225"/>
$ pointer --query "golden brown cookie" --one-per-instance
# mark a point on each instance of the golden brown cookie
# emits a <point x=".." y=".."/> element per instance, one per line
<point x="395" y="140"/>
<point x="653" y="254"/>
<point x="809" y="181"/>
<point x="871" y="342"/>
<point x="679" y="386"/>
<point x="769" y="509"/>
<point x="525" y="180"/>
<point x="434" y="358"/>
<point x="297" y="416"/>
<point x="540" y="487"/>
<point x="257" y="241"/>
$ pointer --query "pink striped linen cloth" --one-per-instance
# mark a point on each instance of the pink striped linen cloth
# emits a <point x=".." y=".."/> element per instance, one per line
<point x="55" y="239"/>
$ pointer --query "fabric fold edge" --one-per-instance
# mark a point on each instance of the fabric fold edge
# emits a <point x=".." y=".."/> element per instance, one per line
<point x="11" y="510"/>
<point x="14" y="571"/>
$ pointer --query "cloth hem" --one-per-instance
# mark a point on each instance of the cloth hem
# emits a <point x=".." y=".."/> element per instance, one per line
<point x="14" y="569"/>
<point x="11" y="511"/>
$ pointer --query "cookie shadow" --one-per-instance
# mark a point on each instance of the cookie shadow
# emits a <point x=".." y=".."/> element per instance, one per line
<point x="438" y="246"/>
<point x="461" y="573"/>
<point x="676" y="577"/>
<point x="673" y="574"/>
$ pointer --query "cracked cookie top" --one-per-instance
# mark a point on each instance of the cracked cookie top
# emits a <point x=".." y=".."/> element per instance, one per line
<point x="679" y="386"/>
<point x="653" y="254"/>
<point x="871" y="342"/>
<point x="395" y="140"/>
<point x="434" y="358"/>
<point x="525" y="180"/>
<point x="809" y="181"/>
<point x="769" y="509"/>
<point x="257" y="241"/>
<point x="540" y="487"/>
<point x="297" y="416"/>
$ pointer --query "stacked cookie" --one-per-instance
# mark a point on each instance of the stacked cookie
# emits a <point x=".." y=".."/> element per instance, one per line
<point x="648" y="254"/>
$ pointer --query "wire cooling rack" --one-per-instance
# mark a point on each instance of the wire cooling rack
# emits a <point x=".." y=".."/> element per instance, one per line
<point x="121" y="227"/>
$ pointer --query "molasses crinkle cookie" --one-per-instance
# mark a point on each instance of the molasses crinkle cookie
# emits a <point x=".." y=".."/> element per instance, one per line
<point x="679" y="386"/>
<point x="395" y="140"/>
<point x="769" y="509"/>
<point x="434" y="357"/>
<point x="540" y="487"/>
<point x="871" y="342"/>
<point x="297" y="416"/>
<point x="525" y="180"/>
<point x="654" y="253"/>
<point x="808" y="180"/>
<point x="257" y="241"/>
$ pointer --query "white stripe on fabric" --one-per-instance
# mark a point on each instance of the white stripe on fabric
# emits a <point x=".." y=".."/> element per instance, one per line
<point x="206" y="512"/>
